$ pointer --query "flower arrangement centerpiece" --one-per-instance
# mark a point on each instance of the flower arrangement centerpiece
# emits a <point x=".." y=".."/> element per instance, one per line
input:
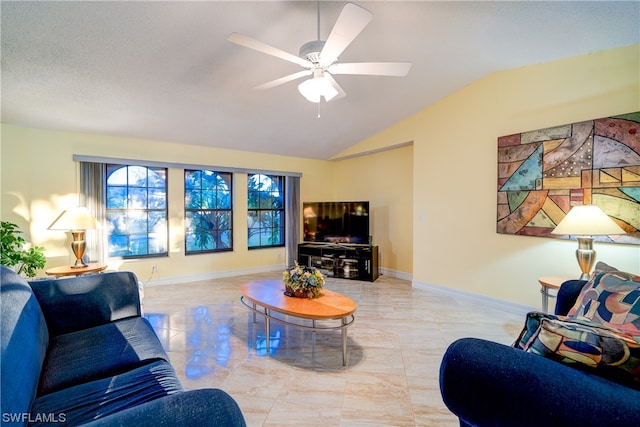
<point x="302" y="281"/>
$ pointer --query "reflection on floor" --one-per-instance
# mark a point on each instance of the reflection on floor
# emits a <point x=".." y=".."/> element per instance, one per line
<point x="394" y="351"/>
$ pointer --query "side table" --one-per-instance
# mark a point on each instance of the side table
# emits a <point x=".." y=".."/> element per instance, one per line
<point x="548" y="283"/>
<point x="66" y="270"/>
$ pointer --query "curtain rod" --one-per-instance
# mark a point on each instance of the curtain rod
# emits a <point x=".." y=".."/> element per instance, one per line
<point x="151" y="163"/>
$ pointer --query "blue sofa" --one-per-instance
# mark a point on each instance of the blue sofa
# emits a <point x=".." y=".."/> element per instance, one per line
<point x="490" y="384"/>
<point x="76" y="351"/>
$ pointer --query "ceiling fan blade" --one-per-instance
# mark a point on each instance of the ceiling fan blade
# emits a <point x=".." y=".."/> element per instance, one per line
<point x="254" y="44"/>
<point x="334" y="83"/>
<point x="350" y="23"/>
<point x="395" y="69"/>
<point x="283" y="80"/>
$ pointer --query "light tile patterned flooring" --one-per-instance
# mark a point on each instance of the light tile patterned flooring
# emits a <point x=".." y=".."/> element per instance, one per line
<point x="394" y="351"/>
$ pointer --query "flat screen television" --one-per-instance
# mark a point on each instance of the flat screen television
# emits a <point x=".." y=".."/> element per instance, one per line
<point x="336" y="222"/>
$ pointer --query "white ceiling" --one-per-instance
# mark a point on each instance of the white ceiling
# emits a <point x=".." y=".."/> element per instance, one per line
<point x="163" y="70"/>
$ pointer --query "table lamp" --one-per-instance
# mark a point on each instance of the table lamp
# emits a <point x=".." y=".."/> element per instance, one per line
<point x="584" y="222"/>
<point x="76" y="220"/>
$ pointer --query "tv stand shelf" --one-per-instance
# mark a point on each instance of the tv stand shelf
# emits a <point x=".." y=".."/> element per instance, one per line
<point x="358" y="262"/>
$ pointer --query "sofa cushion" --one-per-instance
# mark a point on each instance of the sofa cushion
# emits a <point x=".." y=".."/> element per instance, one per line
<point x="96" y="399"/>
<point x="205" y="407"/>
<point x="24" y="338"/>
<point x="611" y="299"/>
<point x="95" y="299"/>
<point x="99" y="352"/>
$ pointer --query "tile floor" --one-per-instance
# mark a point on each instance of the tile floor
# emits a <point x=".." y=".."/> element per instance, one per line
<point x="394" y="351"/>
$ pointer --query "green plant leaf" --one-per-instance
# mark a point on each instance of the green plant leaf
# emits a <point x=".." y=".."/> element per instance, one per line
<point x="12" y="253"/>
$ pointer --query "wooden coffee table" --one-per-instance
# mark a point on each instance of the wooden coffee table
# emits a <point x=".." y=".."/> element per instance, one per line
<point x="266" y="296"/>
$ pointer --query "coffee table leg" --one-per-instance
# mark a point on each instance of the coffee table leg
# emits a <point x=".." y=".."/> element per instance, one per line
<point x="344" y="341"/>
<point x="267" y="330"/>
<point x="254" y="312"/>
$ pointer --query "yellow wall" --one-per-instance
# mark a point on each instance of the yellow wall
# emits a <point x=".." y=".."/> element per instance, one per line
<point x="455" y="242"/>
<point x="39" y="180"/>
<point x="386" y="180"/>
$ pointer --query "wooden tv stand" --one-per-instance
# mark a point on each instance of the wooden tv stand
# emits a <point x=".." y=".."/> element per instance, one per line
<point x="346" y="261"/>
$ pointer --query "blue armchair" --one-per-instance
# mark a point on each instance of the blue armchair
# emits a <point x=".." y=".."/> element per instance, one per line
<point x="490" y="384"/>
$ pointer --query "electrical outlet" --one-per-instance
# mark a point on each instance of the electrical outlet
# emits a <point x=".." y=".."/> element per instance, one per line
<point x="154" y="269"/>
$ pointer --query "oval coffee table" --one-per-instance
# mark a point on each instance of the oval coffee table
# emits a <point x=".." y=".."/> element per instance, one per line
<point x="266" y="296"/>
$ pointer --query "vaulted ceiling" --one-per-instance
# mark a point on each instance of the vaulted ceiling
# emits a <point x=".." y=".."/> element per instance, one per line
<point x="164" y="70"/>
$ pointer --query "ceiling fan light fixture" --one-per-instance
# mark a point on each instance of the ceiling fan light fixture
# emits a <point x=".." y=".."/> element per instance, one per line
<point x="316" y="87"/>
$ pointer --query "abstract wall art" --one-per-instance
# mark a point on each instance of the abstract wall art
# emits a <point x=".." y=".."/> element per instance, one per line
<point x="543" y="173"/>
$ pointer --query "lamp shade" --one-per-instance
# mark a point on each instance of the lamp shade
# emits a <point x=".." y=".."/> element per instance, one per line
<point x="317" y="87"/>
<point x="78" y="218"/>
<point x="587" y="220"/>
<point x="308" y="212"/>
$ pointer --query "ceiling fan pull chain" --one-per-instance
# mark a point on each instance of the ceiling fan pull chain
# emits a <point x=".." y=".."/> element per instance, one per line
<point x="318" y="110"/>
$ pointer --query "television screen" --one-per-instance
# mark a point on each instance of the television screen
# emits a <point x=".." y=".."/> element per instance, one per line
<point x="336" y="222"/>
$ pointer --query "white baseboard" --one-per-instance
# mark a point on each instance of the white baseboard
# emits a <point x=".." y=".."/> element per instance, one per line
<point x="395" y="273"/>
<point x="504" y="305"/>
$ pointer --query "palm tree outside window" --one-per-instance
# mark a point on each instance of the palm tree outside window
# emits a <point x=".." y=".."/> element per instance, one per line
<point x="136" y="211"/>
<point x="265" y="211"/>
<point x="208" y="211"/>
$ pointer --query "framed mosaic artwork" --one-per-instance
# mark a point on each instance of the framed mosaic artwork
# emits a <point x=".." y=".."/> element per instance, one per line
<point x="543" y="173"/>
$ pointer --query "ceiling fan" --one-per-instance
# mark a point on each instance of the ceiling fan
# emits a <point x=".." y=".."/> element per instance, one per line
<point x="319" y="58"/>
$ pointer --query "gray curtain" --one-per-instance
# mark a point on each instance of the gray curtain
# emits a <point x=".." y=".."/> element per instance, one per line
<point x="292" y="220"/>
<point x="93" y="188"/>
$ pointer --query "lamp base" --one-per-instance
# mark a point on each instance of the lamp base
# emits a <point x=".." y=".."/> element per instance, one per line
<point x="79" y="264"/>
<point x="586" y="256"/>
<point x="585" y="276"/>
<point x="78" y="246"/>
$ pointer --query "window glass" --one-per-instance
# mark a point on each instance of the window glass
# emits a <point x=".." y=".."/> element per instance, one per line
<point x="208" y="211"/>
<point x="136" y="211"/>
<point x="265" y="215"/>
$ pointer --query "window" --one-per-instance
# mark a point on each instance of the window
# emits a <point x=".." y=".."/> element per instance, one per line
<point x="265" y="215"/>
<point x="208" y="212"/>
<point x="136" y="209"/>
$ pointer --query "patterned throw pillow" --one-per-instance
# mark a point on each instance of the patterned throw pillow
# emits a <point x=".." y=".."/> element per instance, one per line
<point x="602" y="267"/>
<point x="611" y="299"/>
<point x="531" y="326"/>
<point x="604" y="351"/>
